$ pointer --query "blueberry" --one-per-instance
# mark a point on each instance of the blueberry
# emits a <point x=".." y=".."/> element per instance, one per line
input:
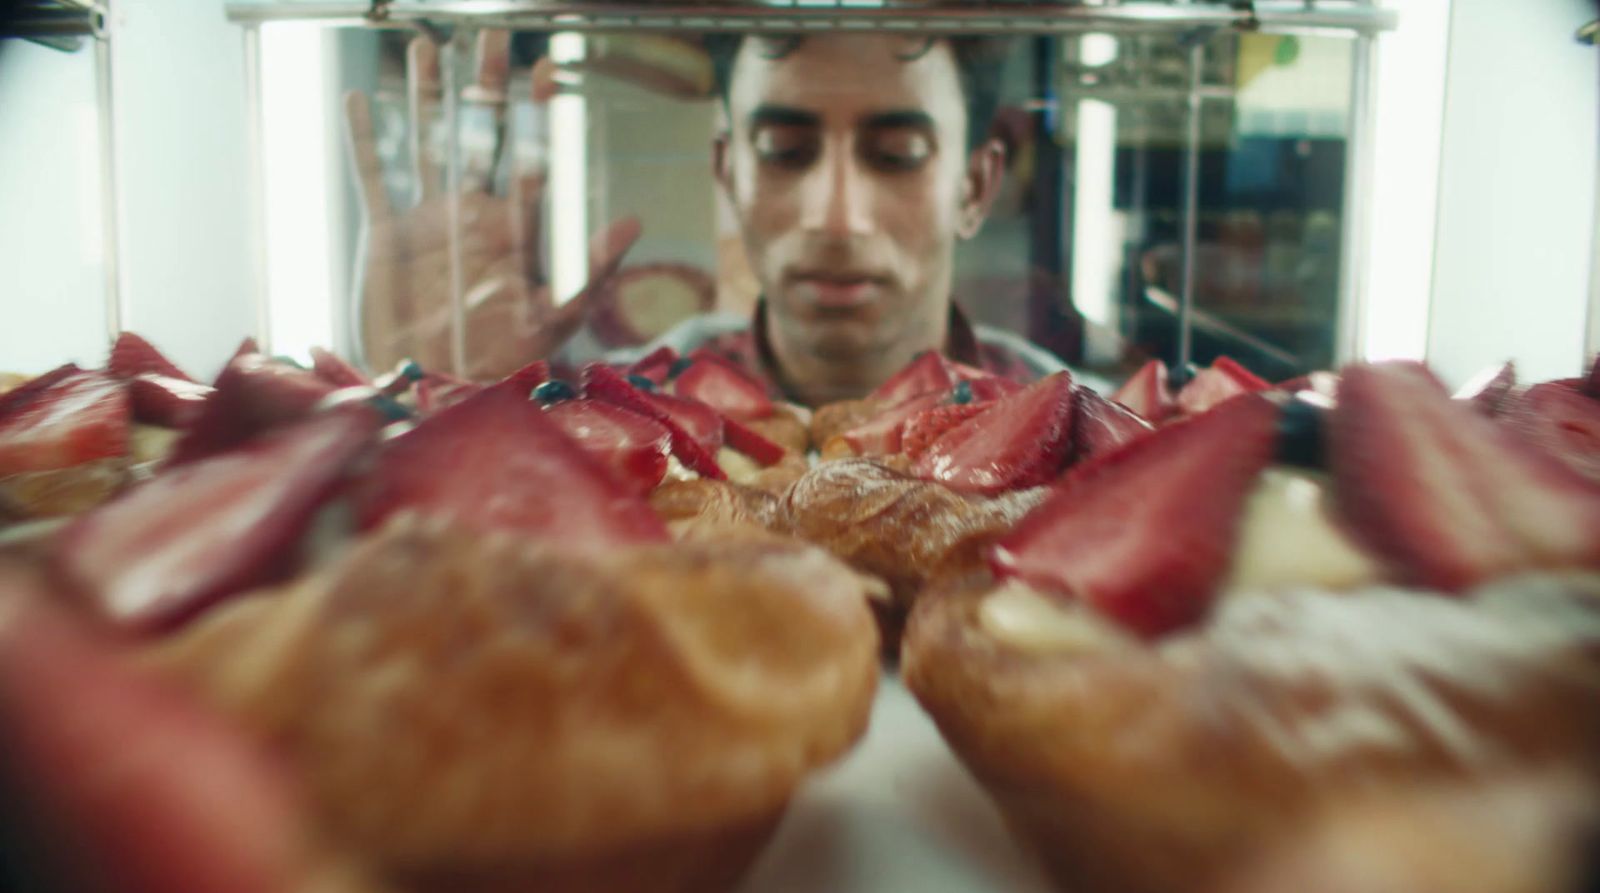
<point x="961" y="393"/>
<point x="678" y="366"/>
<point x="1301" y="424"/>
<point x="411" y="370"/>
<point x="642" y="383"/>
<point x="554" y="391"/>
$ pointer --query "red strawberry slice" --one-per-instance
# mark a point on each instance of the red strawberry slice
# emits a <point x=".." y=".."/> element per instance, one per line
<point x="1146" y="393"/>
<point x="246" y="347"/>
<point x="752" y="444"/>
<point x="168" y="402"/>
<point x="633" y="447"/>
<point x="928" y="373"/>
<point x="882" y="434"/>
<point x="166" y="550"/>
<point x="1207" y="390"/>
<point x="697" y="430"/>
<point x="253" y="393"/>
<point x="1244" y="377"/>
<point x="1146" y="534"/>
<point x="527" y="378"/>
<point x="656" y="365"/>
<point x="132" y="355"/>
<point x="77" y="418"/>
<point x="1100" y="426"/>
<point x="992" y="387"/>
<point x="1563" y="421"/>
<point x="1488" y="390"/>
<point x="1319" y="382"/>
<point x="1448" y="497"/>
<point x="1021" y="441"/>
<point x="123" y="780"/>
<point x="1591" y="384"/>
<point x="722" y="387"/>
<point x="332" y="368"/>
<point x="922" y="429"/>
<point x="495" y="462"/>
<point x="15" y="399"/>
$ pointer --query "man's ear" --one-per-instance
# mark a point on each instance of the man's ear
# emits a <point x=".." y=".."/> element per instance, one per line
<point x="986" y="166"/>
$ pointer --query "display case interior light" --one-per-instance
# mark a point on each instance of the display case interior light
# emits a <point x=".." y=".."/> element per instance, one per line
<point x="299" y="210"/>
<point x="568" y="179"/>
<point x="1096" y="228"/>
<point x="1406" y="128"/>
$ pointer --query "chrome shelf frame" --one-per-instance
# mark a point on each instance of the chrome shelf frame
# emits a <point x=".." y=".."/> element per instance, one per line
<point x="994" y="16"/>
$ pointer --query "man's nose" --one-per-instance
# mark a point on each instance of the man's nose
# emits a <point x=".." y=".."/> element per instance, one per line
<point x="836" y="195"/>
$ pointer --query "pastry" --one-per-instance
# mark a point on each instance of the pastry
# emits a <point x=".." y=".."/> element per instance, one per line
<point x="1192" y="647"/>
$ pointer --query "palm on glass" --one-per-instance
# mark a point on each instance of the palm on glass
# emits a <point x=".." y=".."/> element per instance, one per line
<point x="510" y="316"/>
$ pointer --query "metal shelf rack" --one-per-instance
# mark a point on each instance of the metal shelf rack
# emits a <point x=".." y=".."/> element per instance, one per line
<point x="988" y="16"/>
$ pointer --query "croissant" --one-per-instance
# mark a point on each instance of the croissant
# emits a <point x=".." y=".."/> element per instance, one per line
<point x="484" y="713"/>
<point x="1132" y="766"/>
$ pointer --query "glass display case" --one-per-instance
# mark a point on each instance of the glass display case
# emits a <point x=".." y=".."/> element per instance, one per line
<point x="1182" y="180"/>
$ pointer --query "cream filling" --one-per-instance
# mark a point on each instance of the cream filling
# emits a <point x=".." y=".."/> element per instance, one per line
<point x="1022" y="617"/>
<point x="739" y="468"/>
<point x="676" y="471"/>
<point x="1288" y="539"/>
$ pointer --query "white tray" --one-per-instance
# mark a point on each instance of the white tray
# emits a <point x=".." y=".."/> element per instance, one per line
<point x="898" y="814"/>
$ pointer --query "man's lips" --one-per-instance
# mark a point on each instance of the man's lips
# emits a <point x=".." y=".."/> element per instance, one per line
<point x="839" y="290"/>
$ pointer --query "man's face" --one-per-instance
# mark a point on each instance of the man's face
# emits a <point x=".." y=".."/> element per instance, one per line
<point x="846" y="163"/>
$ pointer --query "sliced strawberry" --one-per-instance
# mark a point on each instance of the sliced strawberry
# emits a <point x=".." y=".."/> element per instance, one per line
<point x="992" y="387"/>
<point x="1563" y="421"/>
<point x="881" y="434"/>
<point x="697" y="429"/>
<point x="495" y="462"/>
<point x="1591" y="384"/>
<point x="14" y="400"/>
<point x="1487" y="390"/>
<point x="167" y="549"/>
<point x="1207" y="390"/>
<point x="246" y="347"/>
<point x="1020" y="441"/>
<point x="655" y="366"/>
<point x="922" y="429"/>
<point x="1146" y="393"/>
<point x="632" y="446"/>
<point x="1099" y="426"/>
<point x="752" y="444"/>
<point x="76" y="418"/>
<point x="527" y="378"/>
<point x="132" y="355"/>
<point x="332" y="368"/>
<point x="124" y="781"/>
<point x="253" y="393"/>
<point x="1244" y="377"/>
<point x="722" y="387"/>
<point x="1146" y="533"/>
<point x="1446" y="496"/>
<point x="928" y="373"/>
<point x="168" y="402"/>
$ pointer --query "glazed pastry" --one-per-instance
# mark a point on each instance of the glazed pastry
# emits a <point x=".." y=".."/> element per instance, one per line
<point x="1187" y="652"/>
<point x="1132" y="767"/>
<point x="484" y="713"/>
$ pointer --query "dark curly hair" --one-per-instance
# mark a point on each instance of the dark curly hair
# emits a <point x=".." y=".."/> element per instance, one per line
<point x="980" y="62"/>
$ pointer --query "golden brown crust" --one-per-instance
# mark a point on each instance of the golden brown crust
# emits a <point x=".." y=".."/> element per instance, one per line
<point x="458" y="705"/>
<point x="1134" y="768"/>
<point x="60" y="492"/>
<point x="787" y="427"/>
<point x="833" y="419"/>
<point x="907" y="531"/>
<point x="715" y="504"/>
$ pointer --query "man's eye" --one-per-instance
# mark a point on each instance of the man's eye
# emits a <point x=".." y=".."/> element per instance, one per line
<point x="786" y="146"/>
<point x="898" y="150"/>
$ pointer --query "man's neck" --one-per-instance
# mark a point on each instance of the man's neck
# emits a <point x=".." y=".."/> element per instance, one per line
<point x="815" y="380"/>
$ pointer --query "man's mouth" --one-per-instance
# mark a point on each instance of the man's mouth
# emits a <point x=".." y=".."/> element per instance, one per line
<point x="838" y="290"/>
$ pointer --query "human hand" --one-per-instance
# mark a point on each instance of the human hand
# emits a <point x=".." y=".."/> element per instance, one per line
<point x="510" y="315"/>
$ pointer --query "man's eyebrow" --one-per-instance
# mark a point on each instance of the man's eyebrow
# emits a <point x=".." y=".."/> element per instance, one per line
<point x="907" y="118"/>
<point x="783" y="116"/>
